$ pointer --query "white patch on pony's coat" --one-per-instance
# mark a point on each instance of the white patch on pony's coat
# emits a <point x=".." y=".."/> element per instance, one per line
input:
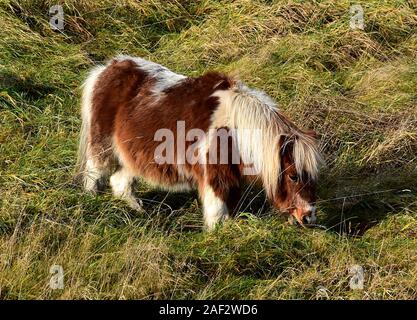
<point x="215" y="209"/>
<point x="165" y="78"/>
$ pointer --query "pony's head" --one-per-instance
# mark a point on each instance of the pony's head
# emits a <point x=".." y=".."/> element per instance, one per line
<point x="296" y="190"/>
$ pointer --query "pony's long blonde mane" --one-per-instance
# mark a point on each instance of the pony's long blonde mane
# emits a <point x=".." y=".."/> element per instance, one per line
<point x="242" y="108"/>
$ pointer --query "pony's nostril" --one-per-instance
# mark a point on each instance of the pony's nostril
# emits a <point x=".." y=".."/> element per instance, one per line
<point x="309" y="218"/>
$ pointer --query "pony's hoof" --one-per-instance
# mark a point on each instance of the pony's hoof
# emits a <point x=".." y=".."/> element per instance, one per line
<point x="136" y="205"/>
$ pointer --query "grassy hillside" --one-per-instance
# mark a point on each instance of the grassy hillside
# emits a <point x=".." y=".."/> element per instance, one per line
<point x="357" y="89"/>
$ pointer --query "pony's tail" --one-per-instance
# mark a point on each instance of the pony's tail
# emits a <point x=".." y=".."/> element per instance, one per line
<point x="86" y="108"/>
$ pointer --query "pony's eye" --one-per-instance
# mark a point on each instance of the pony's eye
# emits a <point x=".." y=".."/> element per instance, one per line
<point x="294" y="178"/>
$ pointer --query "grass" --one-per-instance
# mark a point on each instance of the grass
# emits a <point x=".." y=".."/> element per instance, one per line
<point x="356" y="88"/>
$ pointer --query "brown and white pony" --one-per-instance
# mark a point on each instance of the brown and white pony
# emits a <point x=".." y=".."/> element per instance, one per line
<point x="128" y="101"/>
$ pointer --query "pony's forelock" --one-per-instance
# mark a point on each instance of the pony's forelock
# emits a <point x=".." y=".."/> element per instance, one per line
<point x="307" y="158"/>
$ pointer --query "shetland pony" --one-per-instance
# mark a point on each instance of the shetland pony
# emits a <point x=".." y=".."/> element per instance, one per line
<point x="127" y="103"/>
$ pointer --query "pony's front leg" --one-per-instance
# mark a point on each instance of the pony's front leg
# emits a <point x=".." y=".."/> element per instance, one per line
<point x="215" y="209"/>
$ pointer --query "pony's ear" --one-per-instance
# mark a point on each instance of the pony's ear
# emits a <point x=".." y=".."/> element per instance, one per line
<point x="225" y="84"/>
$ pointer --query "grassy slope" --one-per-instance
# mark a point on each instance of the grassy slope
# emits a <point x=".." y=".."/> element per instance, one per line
<point x="357" y="89"/>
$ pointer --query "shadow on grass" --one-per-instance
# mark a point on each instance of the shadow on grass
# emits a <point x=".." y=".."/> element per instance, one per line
<point x="186" y="207"/>
<point x="167" y="200"/>
<point x="28" y="86"/>
<point x="348" y="206"/>
<point x="353" y="206"/>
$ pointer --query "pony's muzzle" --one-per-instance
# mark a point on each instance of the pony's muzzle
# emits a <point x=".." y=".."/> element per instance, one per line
<point x="303" y="217"/>
<point x="309" y="218"/>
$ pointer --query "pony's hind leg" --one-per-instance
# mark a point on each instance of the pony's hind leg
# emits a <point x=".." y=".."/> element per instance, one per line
<point x="121" y="183"/>
<point x="95" y="175"/>
<point x="100" y="162"/>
